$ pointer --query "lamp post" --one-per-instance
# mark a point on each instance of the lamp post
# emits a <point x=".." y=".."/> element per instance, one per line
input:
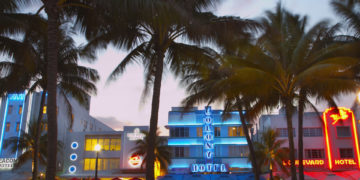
<point x="97" y="149"/>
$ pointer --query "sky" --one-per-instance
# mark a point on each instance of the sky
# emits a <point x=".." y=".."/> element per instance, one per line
<point x="119" y="103"/>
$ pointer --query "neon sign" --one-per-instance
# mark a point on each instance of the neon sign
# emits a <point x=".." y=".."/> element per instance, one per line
<point x="208" y="168"/>
<point x="135" y="160"/>
<point x="16" y="97"/>
<point x="136" y="135"/>
<point x="332" y="116"/>
<point x="7" y="163"/>
<point x="208" y="135"/>
<point x="310" y="162"/>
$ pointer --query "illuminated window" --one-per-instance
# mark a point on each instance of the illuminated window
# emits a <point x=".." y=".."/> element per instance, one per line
<point x="179" y="132"/>
<point x="217" y="131"/>
<point x="103" y="164"/>
<point x="346" y="153"/>
<point x="107" y="144"/>
<point x="10" y="108"/>
<point x="20" y="109"/>
<point x="44" y="110"/>
<point x="181" y="151"/>
<point x="312" y="132"/>
<point x="199" y="132"/>
<point x="235" y="131"/>
<point x="17" y="127"/>
<point x="343" y="131"/>
<point x="7" y="128"/>
<point x="283" y="132"/>
<point x="314" y="153"/>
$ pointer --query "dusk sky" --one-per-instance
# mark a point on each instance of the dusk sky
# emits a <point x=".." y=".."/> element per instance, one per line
<point x="119" y="102"/>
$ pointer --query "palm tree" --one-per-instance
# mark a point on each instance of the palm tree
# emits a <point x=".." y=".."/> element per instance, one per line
<point x="26" y="142"/>
<point x="151" y="34"/>
<point x="270" y="153"/>
<point x="162" y="151"/>
<point x="75" y="80"/>
<point x="348" y="11"/>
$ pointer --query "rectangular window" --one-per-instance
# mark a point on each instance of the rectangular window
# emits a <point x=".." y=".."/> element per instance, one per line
<point x="343" y="131"/>
<point x="283" y="132"/>
<point x="199" y="132"/>
<point x="314" y="153"/>
<point x="7" y="128"/>
<point x="10" y="108"/>
<point x="17" y="127"/>
<point x="44" y="110"/>
<point x="312" y="132"/>
<point x="217" y="151"/>
<point x="107" y="144"/>
<point x="217" y="131"/>
<point x="20" y="109"/>
<point x="179" y="132"/>
<point x="181" y="151"/>
<point x="235" y="131"/>
<point x="346" y="153"/>
<point x="238" y="151"/>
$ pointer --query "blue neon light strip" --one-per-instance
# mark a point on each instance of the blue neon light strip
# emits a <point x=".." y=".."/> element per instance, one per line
<point x="230" y="141"/>
<point x="21" y="119"/>
<point x="240" y="165"/>
<point x="3" y="126"/>
<point x="199" y="141"/>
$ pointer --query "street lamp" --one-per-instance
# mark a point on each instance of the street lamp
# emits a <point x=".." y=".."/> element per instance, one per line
<point x="97" y="149"/>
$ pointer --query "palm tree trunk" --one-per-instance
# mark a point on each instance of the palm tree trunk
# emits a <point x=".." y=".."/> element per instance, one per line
<point x="300" y="129"/>
<point x="288" y="109"/>
<point x="154" y="117"/>
<point x="271" y="175"/>
<point x="249" y="142"/>
<point x="37" y="135"/>
<point x="52" y="56"/>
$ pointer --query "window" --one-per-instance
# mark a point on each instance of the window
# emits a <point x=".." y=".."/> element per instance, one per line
<point x="7" y="128"/>
<point x="199" y="132"/>
<point x="181" y="152"/>
<point x="10" y="108"/>
<point x="44" y="110"/>
<point x="312" y="132"/>
<point x="107" y="144"/>
<point x="343" y="131"/>
<point x="217" y="131"/>
<point x="283" y="132"/>
<point x="103" y="164"/>
<point x="314" y="154"/>
<point x="179" y="132"/>
<point x="236" y="131"/>
<point x="17" y="127"/>
<point x="238" y="151"/>
<point x="217" y="151"/>
<point x="346" y="153"/>
<point x="20" y="109"/>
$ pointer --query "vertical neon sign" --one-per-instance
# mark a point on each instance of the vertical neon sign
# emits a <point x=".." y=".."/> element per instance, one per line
<point x="208" y="133"/>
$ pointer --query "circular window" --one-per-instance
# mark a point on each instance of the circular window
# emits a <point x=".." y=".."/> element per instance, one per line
<point x="74" y="145"/>
<point x="72" y="169"/>
<point x="73" y="157"/>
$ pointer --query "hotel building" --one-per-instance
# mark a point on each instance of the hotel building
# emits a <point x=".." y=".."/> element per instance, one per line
<point x="330" y="140"/>
<point x="203" y="142"/>
<point x="17" y="110"/>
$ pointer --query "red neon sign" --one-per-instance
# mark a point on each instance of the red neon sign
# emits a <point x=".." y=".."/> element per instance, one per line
<point x="306" y="162"/>
<point x="342" y="114"/>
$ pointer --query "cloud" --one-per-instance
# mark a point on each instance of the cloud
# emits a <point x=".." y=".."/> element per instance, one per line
<point x="114" y="123"/>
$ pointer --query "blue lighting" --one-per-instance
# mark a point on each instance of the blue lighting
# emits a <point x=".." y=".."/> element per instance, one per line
<point x="185" y="142"/>
<point x="178" y="166"/>
<point x="208" y="168"/>
<point x="240" y="165"/>
<point x="21" y="119"/>
<point x="16" y="97"/>
<point x="74" y="145"/>
<point x="72" y="169"/>
<point x="230" y="141"/>
<point x="3" y="126"/>
<point x="73" y="157"/>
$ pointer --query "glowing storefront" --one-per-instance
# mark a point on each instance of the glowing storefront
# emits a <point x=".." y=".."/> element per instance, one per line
<point x="203" y="142"/>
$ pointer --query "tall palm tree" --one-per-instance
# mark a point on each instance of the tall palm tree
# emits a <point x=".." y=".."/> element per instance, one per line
<point x="162" y="150"/>
<point x="26" y="142"/>
<point x="151" y="35"/>
<point x="270" y="152"/>
<point x="347" y="9"/>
